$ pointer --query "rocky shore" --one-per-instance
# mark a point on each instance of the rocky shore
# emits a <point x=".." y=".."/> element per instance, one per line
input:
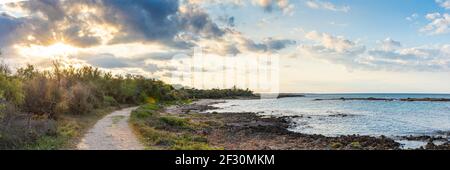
<point x="244" y="131"/>
<point x="250" y="131"/>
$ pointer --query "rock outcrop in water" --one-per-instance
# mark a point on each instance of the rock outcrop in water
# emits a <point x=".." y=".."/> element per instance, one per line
<point x="287" y="95"/>
<point x="369" y="98"/>
<point x="425" y="100"/>
<point x="432" y="146"/>
<point x="391" y="99"/>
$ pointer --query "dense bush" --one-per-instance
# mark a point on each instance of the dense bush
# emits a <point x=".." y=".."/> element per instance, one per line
<point x="80" y="90"/>
<point x="44" y="96"/>
<point x="81" y="99"/>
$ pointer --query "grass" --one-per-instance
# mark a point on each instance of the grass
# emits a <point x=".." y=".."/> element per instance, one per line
<point x="70" y="130"/>
<point x="176" y="121"/>
<point x="158" y="131"/>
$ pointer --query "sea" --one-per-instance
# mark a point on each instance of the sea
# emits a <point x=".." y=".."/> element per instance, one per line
<point x="361" y="117"/>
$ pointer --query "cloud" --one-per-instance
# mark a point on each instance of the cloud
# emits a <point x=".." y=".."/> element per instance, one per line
<point x="229" y="21"/>
<point x="268" y="44"/>
<point x="271" y="5"/>
<point x="412" y="17"/>
<point x="444" y="3"/>
<point x="335" y="49"/>
<point x="195" y="20"/>
<point x="334" y="43"/>
<point x="107" y="60"/>
<point x="267" y="5"/>
<point x="146" y="63"/>
<point x="8" y="25"/>
<point x="318" y="4"/>
<point x="389" y="44"/>
<point x="221" y="2"/>
<point x="10" y="1"/>
<point x="89" y="23"/>
<point x="415" y="58"/>
<point x="235" y="43"/>
<point x="439" y="24"/>
<point x="388" y="56"/>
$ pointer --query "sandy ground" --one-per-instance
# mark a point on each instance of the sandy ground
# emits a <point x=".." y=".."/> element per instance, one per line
<point x="111" y="133"/>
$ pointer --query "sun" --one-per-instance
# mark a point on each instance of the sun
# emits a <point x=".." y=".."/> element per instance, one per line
<point x="55" y="50"/>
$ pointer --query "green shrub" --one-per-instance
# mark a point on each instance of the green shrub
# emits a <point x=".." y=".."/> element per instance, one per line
<point x="336" y="145"/>
<point x="142" y="114"/>
<point x="68" y="129"/>
<point x="150" y="107"/>
<point x="11" y="90"/>
<point x="355" y="145"/>
<point x="47" y="143"/>
<point x="144" y="111"/>
<point x="175" y="121"/>
<point x="109" y="101"/>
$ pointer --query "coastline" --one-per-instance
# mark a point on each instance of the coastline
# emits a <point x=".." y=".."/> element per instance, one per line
<point x="243" y="131"/>
<point x="247" y="130"/>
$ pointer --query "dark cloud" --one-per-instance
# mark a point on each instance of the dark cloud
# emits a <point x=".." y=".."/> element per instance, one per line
<point x="152" y="21"/>
<point x="110" y="61"/>
<point x="271" y="5"/>
<point x="107" y="61"/>
<point x="161" y="56"/>
<point x="278" y="44"/>
<point x="231" y="22"/>
<point x="174" y="24"/>
<point x="8" y="25"/>
<point x="232" y="49"/>
<point x="195" y="20"/>
<point x="144" y="20"/>
<point x="269" y="44"/>
<point x="227" y="20"/>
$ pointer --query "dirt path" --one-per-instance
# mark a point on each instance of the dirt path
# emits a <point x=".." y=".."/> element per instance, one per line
<point x="111" y="133"/>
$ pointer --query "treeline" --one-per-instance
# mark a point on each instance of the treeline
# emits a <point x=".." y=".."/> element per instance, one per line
<point x="219" y="93"/>
<point x="29" y="96"/>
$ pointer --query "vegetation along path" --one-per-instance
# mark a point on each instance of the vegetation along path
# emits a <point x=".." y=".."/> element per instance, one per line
<point x="112" y="133"/>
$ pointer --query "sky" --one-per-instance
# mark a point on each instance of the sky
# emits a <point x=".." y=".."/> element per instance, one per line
<point x="313" y="46"/>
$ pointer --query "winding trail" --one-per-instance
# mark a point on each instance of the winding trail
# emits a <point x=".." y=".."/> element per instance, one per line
<point x="111" y="133"/>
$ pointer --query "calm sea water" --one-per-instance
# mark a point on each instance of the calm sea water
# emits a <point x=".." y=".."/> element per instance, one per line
<point x="375" y="118"/>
